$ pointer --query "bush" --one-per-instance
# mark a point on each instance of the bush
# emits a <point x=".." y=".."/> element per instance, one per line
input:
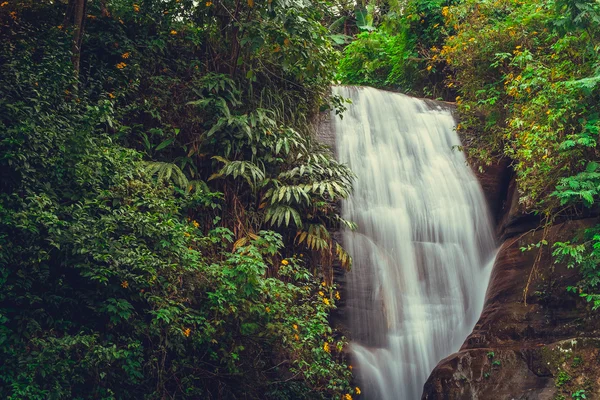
<point x="377" y="59"/>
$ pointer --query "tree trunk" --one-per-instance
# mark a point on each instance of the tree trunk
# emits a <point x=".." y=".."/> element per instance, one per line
<point x="235" y="44"/>
<point x="78" y="20"/>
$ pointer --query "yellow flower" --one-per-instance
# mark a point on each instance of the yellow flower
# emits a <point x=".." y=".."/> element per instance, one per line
<point x="187" y="332"/>
<point x="326" y="348"/>
<point x="457" y="98"/>
<point x="323" y="284"/>
<point x="267" y="309"/>
<point x="337" y="295"/>
<point x="196" y="224"/>
<point x="124" y="284"/>
<point x="112" y="96"/>
<point x="347" y="397"/>
<point x="208" y="3"/>
<point x="186" y="234"/>
<point x="321" y="294"/>
<point x="173" y="32"/>
<point x="60" y="27"/>
<point x="284" y="262"/>
<point x="125" y="55"/>
<point x="326" y="300"/>
<point x="136" y="8"/>
<point x="295" y="326"/>
<point x="518" y="47"/>
<point x="301" y="255"/>
<point x="296" y="337"/>
<point x="350" y="367"/>
<point x="429" y="67"/>
<point x="121" y="65"/>
<point x="4" y="4"/>
<point x="357" y="390"/>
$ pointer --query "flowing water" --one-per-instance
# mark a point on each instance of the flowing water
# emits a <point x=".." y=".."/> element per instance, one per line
<point x="424" y="247"/>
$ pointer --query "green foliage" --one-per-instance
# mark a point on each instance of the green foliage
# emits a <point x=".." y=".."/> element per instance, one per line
<point x="583" y="253"/>
<point x="562" y="378"/>
<point x="377" y="59"/>
<point x="125" y="270"/>
<point x="583" y="187"/>
<point x="397" y="47"/>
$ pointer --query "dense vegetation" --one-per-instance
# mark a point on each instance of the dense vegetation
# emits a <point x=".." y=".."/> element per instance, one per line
<point x="165" y="213"/>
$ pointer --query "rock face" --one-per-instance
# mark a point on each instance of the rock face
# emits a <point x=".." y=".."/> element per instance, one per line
<point x="547" y="347"/>
<point x="494" y="180"/>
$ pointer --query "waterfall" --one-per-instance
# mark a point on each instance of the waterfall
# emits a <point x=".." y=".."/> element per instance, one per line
<point x="424" y="247"/>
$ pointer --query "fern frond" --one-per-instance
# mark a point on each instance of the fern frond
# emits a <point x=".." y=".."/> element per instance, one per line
<point x="316" y="237"/>
<point x="280" y="214"/>
<point x="197" y="186"/>
<point x="166" y="172"/>
<point x="343" y="256"/>
<point x="286" y="193"/>
<point x="247" y="170"/>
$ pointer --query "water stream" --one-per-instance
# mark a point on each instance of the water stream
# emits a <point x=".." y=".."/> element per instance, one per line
<point x="424" y="247"/>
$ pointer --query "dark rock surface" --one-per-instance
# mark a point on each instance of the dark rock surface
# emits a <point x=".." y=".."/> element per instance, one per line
<point x="494" y="180"/>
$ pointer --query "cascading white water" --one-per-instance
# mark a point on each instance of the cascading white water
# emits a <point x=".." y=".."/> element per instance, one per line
<point x="424" y="247"/>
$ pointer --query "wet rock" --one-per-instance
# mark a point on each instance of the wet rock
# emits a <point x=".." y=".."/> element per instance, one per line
<point x="495" y="180"/>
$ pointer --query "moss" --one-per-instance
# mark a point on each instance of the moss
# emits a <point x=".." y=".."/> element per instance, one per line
<point x="561" y="379"/>
<point x="567" y="363"/>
